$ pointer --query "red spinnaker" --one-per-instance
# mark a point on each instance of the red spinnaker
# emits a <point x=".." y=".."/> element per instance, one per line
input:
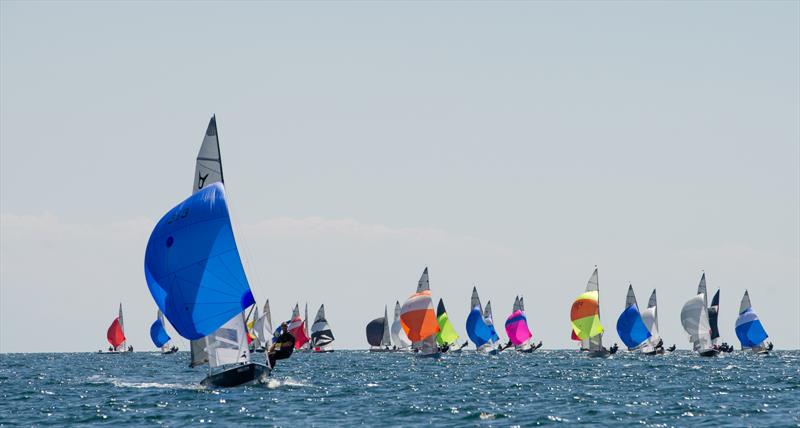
<point x="115" y="335"/>
<point x="297" y="329"/>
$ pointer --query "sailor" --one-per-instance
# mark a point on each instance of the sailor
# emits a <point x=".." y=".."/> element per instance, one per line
<point x="671" y="348"/>
<point x="282" y="347"/>
<point x="770" y="346"/>
<point x="613" y="349"/>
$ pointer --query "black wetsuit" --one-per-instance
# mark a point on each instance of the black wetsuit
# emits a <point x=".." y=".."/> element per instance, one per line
<point x="284" y="347"/>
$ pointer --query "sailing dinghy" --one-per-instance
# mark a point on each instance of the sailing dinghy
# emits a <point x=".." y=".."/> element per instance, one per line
<point x="401" y="342"/>
<point x="116" y="336"/>
<point x="419" y="320"/>
<point x="447" y="335"/>
<point x="694" y="319"/>
<point x="297" y="328"/>
<point x="585" y="316"/>
<point x="650" y="319"/>
<point x="631" y="327"/>
<point x="481" y="333"/>
<point x="517" y="329"/>
<point x="158" y="333"/>
<point x="378" y="334"/>
<point x="321" y="334"/>
<point x="195" y="275"/>
<point x="749" y="329"/>
<point x="263" y="329"/>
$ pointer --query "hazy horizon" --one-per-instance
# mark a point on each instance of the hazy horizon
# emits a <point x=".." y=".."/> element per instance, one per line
<point x="512" y="146"/>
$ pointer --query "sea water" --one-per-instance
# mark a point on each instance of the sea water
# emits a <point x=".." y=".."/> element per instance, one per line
<point x="356" y="387"/>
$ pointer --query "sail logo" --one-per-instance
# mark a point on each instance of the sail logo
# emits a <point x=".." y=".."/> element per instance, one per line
<point x="201" y="180"/>
<point x="178" y="214"/>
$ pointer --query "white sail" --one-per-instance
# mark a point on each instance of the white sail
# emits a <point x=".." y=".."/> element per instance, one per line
<point x="208" y="168"/>
<point x="305" y="326"/>
<point x="745" y="304"/>
<point x="386" y="340"/>
<point x="630" y="298"/>
<point x="517" y="305"/>
<point x="257" y="342"/>
<point x="522" y="303"/>
<point x="694" y="318"/>
<point x="650" y="319"/>
<point x="167" y="346"/>
<point x="124" y="345"/>
<point x="228" y="344"/>
<point x="487" y="313"/>
<point x="267" y="316"/>
<point x="398" y="334"/>
<point x="701" y="289"/>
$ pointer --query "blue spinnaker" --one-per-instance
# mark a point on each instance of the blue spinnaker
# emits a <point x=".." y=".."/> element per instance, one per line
<point x="631" y="328"/>
<point x="478" y="331"/>
<point x="159" y="334"/>
<point x="192" y="265"/>
<point x="749" y="329"/>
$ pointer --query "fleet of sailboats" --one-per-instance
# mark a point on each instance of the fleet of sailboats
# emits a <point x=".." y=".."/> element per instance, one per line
<point x="196" y="278"/>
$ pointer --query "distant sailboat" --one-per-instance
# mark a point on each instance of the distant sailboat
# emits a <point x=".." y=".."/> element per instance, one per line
<point x="694" y="318"/>
<point x="585" y="316"/>
<point x="517" y="328"/>
<point x="116" y="335"/>
<point x="195" y="274"/>
<point x="321" y="334"/>
<point x="631" y="327"/>
<point x="378" y="334"/>
<point x="297" y="328"/>
<point x="650" y="318"/>
<point x="447" y="335"/>
<point x="263" y="329"/>
<point x="749" y="329"/>
<point x="419" y="319"/>
<point x="481" y="333"/>
<point x="401" y="341"/>
<point x="158" y="333"/>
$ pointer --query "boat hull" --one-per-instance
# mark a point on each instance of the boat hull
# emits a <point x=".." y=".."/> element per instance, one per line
<point x="602" y="353"/>
<point x="244" y="374"/>
<point x="708" y="353"/>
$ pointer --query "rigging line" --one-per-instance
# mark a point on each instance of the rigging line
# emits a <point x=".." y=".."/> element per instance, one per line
<point x="246" y="253"/>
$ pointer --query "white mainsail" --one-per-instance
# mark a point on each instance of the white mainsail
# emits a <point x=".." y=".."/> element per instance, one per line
<point x="124" y="345"/>
<point x="398" y="334"/>
<point x="475" y="301"/>
<point x="386" y="340"/>
<point x="650" y="319"/>
<point x="594" y="343"/>
<point x="522" y="303"/>
<point x="167" y="346"/>
<point x="701" y="289"/>
<point x="694" y="318"/>
<point x="228" y="344"/>
<point x="517" y="305"/>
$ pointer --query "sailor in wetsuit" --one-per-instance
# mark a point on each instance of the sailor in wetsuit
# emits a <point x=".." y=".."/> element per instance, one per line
<point x="283" y="346"/>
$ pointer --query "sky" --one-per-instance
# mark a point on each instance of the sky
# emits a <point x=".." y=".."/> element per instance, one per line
<point x="508" y="145"/>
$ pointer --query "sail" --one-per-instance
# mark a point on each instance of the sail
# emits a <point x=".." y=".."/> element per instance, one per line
<point x="631" y="328"/>
<point x="423" y="284"/>
<point x="398" y="334"/>
<point x="386" y="339"/>
<point x="267" y="317"/>
<point x="713" y="317"/>
<point x="487" y="313"/>
<point x="517" y="305"/>
<point x="115" y="335"/>
<point x="305" y="320"/>
<point x="417" y="317"/>
<point x="192" y="265"/>
<point x="478" y="331"/>
<point x="701" y="289"/>
<point x="694" y="318"/>
<point x="208" y="169"/>
<point x="158" y="333"/>
<point x="199" y="355"/>
<point x="630" y="298"/>
<point x="122" y="326"/>
<point x="594" y="342"/>
<point x="228" y="344"/>
<point x="321" y="334"/>
<point x="517" y="328"/>
<point x="375" y="331"/>
<point x="297" y="328"/>
<point x="650" y="319"/>
<point x="749" y="329"/>
<point x="522" y="303"/>
<point x="585" y="316"/>
<point x="447" y="333"/>
<point x="475" y="301"/>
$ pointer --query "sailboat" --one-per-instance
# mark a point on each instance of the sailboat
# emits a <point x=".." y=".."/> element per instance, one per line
<point x="297" y="328"/>
<point x="631" y="327"/>
<point x="116" y="335"/>
<point x="321" y="334"/>
<point x="749" y="329"/>
<point x="401" y="341"/>
<point x="378" y="334"/>
<point x="517" y="328"/>
<point x="195" y="275"/>
<point x="481" y="333"/>
<point x="585" y="316"/>
<point x="694" y="318"/>
<point x="419" y="319"/>
<point x="263" y="329"/>
<point x="158" y="333"/>
<point x="650" y="319"/>
<point x="447" y="335"/>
